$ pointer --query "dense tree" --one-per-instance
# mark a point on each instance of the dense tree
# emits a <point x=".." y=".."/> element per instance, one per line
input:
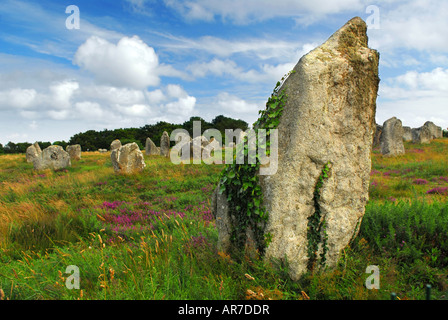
<point x="1" y="149"/>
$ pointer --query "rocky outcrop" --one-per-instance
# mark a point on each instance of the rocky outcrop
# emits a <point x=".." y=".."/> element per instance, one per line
<point x="391" y="141"/>
<point x="325" y="135"/>
<point x="128" y="159"/>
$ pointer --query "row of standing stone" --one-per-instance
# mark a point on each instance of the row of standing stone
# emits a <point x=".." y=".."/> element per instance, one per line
<point x="391" y="135"/>
<point x="125" y="158"/>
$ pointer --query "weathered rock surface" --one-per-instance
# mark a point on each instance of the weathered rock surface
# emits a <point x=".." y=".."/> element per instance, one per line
<point x="407" y="134"/>
<point x="328" y="120"/>
<point x="32" y="152"/>
<point x="74" y="151"/>
<point x="392" y="138"/>
<point x="128" y="159"/>
<point x="436" y="132"/>
<point x="54" y="157"/>
<point x="151" y="148"/>
<point x="421" y="135"/>
<point x="115" y="144"/>
<point x="165" y="144"/>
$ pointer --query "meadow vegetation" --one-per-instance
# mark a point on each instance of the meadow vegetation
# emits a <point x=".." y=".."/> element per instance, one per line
<point x="152" y="235"/>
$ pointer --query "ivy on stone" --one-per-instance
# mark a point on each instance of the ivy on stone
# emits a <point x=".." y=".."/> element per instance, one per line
<point x="241" y="183"/>
<point x="316" y="233"/>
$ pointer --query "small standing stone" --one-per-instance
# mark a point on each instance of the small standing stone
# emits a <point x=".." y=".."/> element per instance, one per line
<point x="151" y="148"/>
<point x="392" y="138"/>
<point x="74" y="151"/>
<point x="165" y="144"/>
<point x="128" y="159"/>
<point x="32" y="152"/>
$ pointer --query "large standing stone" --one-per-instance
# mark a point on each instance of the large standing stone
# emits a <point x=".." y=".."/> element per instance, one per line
<point x="392" y="137"/>
<point x="115" y="144"/>
<point x="32" y="152"/>
<point x="165" y="144"/>
<point x="328" y="121"/>
<point x="128" y="159"/>
<point x="74" y="151"/>
<point x="54" y="157"/>
<point x="151" y="148"/>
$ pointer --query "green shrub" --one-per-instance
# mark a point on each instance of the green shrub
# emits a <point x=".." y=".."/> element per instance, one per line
<point x="408" y="231"/>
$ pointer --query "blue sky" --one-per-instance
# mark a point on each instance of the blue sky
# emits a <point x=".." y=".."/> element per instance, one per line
<point x="137" y="62"/>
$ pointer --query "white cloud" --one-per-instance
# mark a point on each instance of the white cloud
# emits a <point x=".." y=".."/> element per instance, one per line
<point x="415" y="97"/>
<point x="155" y="96"/>
<point x="217" y="67"/>
<point x="419" y="25"/>
<point x="233" y="104"/>
<point x="176" y="91"/>
<point x="89" y="110"/>
<point x="129" y="63"/>
<point x="113" y="95"/>
<point x="17" y="98"/>
<point x="181" y="108"/>
<point x="58" y="114"/>
<point x="61" y="94"/>
<point x="135" y="110"/>
<point x="261" y="48"/>
<point x="248" y="11"/>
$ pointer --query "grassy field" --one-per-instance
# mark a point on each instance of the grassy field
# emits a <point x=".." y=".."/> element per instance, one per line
<point x="152" y="235"/>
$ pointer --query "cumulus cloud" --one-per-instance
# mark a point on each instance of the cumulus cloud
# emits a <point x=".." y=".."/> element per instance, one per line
<point x="89" y="110"/>
<point x="411" y="27"/>
<point x="415" y="97"/>
<point x="17" y="98"/>
<point x="129" y="63"/>
<point x="217" y="67"/>
<point x="61" y="94"/>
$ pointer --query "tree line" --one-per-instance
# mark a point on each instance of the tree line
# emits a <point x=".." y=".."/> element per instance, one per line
<point x="93" y="140"/>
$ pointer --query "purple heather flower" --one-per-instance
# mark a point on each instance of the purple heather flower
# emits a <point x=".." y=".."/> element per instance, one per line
<point x="438" y="190"/>
<point x="420" y="181"/>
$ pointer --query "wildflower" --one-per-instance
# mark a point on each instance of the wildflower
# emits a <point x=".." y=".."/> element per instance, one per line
<point x="438" y="190"/>
<point x="420" y="181"/>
